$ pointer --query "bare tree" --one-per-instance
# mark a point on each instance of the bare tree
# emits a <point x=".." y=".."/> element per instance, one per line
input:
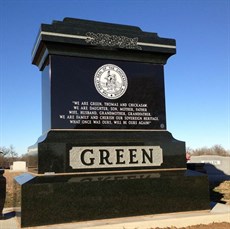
<point x="214" y="150"/>
<point x="4" y="151"/>
<point x="12" y="152"/>
<point x="7" y="155"/>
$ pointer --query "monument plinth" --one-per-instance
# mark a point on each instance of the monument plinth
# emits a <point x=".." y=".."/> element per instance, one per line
<point x="105" y="147"/>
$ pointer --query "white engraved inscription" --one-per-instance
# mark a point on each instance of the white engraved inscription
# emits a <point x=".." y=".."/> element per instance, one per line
<point x="115" y="156"/>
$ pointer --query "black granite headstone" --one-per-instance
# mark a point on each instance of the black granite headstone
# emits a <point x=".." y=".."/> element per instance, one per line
<point x="103" y="110"/>
<point x="103" y="99"/>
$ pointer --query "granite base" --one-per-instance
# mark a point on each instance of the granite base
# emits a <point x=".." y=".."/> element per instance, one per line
<point x="54" y="199"/>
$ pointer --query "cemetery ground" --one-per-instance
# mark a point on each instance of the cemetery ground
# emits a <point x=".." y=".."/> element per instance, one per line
<point x="222" y="190"/>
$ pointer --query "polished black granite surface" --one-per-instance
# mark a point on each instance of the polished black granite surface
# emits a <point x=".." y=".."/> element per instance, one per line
<point x="70" y="99"/>
<point x="67" y="198"/>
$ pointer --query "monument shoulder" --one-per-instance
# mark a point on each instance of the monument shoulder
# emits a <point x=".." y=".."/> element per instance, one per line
<point x="99" y="39"/>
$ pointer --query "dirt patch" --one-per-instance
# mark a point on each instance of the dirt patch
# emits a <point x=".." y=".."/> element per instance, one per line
<point x="201" y="226"/>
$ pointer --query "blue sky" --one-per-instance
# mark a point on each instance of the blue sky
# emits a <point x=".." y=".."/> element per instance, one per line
<point x="197" y="78"/>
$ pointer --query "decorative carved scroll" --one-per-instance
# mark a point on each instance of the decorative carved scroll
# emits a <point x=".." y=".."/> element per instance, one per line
<point x="112" y="40"/>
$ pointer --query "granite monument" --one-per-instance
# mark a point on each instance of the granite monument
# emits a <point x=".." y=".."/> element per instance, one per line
<point x="105" y="150"/>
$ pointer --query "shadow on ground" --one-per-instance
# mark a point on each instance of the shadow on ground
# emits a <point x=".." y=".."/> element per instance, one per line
<point x="215" y="177"/>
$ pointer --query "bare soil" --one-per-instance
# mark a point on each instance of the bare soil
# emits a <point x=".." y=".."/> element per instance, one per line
<point x="223" y="189"/>
<point x="201" y="226"/>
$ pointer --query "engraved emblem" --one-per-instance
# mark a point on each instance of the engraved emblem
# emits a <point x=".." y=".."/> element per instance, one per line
<point x="110" y="81"/>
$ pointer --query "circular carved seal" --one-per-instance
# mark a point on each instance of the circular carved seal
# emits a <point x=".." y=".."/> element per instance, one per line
<point x="110" y="81"/>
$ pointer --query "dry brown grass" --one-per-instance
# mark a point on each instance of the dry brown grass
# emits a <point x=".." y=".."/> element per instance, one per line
<point x="224" y="188"/>
<point x="10" y="187"/>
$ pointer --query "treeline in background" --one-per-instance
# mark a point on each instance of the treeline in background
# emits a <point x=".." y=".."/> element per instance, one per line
<point x="214" y="150"/>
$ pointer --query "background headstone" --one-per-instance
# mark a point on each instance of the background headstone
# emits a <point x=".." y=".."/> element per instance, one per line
<point x="214" y="164"/>
<point x="19" y="166"/>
